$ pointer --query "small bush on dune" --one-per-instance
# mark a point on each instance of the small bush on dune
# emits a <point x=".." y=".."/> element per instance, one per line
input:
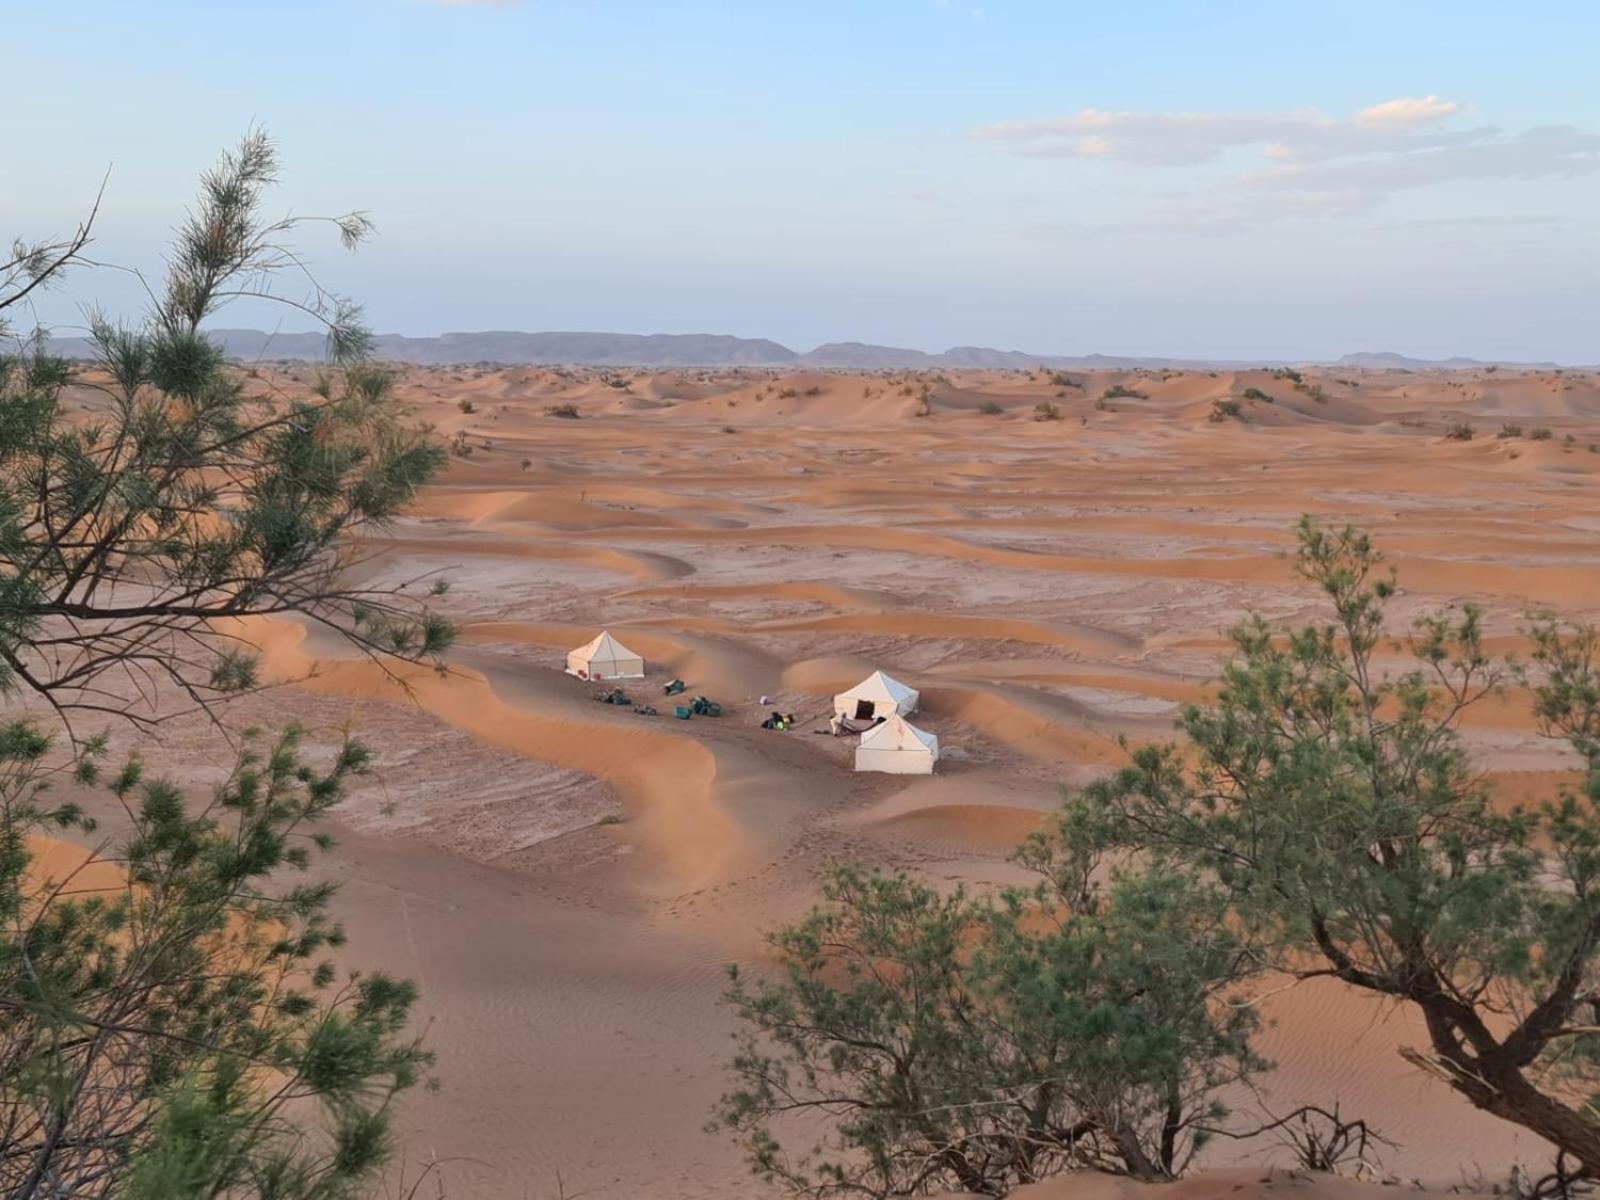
<point x="566" y="411"/>
<point x="1460" y="431"/>
<point x="1045" y="411"/>
<point x="990" y="408"/>
<point x="1118" y="392"/>
<point x="1509" y="430"/>
<point x="1541" y="435"/>
<point x="1255" y="393"/>
<point x="975" y="1044"/>
<point x="1221" y="410"/>
<point x="466" y="406"/>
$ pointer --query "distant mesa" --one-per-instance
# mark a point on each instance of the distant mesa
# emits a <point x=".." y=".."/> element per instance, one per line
<point x="510" y="348"/>
<point x="1387" y="360"/>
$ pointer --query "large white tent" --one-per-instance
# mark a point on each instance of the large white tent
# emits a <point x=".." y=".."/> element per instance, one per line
<point x="605" y="658"/>
<point x="876" y="696"/>
<point x="897" y="747"/>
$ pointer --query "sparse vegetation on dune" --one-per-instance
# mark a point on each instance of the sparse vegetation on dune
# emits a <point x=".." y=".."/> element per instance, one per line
<point x="1119" y="391"/>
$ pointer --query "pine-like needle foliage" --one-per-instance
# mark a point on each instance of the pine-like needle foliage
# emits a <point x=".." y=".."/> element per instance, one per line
<point x="145" y="507"/>
<point x="171" y="1027"/>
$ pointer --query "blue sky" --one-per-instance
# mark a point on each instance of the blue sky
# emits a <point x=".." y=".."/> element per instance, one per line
<point x="1204" y="179"/>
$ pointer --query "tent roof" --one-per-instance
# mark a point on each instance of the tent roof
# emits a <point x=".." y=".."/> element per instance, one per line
<point x="879" y="686"/>
<point x="899" y="734"/>
<point x="605" y="647"/>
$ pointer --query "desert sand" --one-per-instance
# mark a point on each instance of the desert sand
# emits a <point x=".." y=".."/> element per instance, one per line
<point x="567" y="880"/>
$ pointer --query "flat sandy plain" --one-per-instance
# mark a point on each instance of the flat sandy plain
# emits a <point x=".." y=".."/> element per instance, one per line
<point x="567" y="880"/>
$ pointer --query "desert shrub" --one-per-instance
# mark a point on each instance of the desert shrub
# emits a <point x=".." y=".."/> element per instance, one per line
<point x="568" y="412"/>
<point x="526" y="463"/>
<point x="952" y="1042"/>
<point x="1288" y="373"/>
<point x="466" y="406"/>
<point x="1460" y="431"/>
<point x="1255" y="393"/>
<point x="1540" y="435"/>
<point x="1045" y="411"/>
<point x="787" y="393"/>
<point x="1062" y="380"/>
<point x="1510" y="430"/>
<point x="1221" y="410"/>
<point x="990" y="408"/>
<point x="729" y="429"/>
<point x="814" y="390"/>
<point x="1118" y="392"/>
<point x="1336" y="803"/>
<point x="461" y="444"/>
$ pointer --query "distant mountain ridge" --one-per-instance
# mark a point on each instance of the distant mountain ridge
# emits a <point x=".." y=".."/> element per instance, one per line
<point x="1387" y="360"/>
<point x="511" y="348"/>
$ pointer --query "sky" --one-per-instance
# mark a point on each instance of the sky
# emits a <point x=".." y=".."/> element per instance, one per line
<point x="1197" y="179"/>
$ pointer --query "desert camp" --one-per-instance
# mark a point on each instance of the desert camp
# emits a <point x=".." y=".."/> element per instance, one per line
<point x="875" y="697"/>
<point x="897" y="747"/>
<point x="605" y="658"/>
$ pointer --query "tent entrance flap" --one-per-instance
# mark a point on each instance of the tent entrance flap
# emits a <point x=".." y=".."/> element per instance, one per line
<point x="864" y="710"/>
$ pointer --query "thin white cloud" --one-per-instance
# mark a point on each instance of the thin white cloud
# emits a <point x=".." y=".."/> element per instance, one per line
<point x="1186" y="139"/>
<point x="1310" y="164"/>
<point x="1407" y="110"/>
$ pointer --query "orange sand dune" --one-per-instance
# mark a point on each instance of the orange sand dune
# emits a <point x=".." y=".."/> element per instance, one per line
<point x="1049" y="585"/>
<point x="667" y="779"/>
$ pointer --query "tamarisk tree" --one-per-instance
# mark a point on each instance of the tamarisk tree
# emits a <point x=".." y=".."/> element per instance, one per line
<point x="1355" y="838"/>
<point x="917" y="1043"/>
<point x="147" y="503"/>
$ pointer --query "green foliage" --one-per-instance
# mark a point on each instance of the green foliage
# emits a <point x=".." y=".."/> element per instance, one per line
<point x="1119" y="392"/>
<point x="1221" y="410"/>
<point x="1337" y="806"/>
<point x="1255" y="393"/>
<point x="133" y="526"/>
<point x="1459" y="431"/>
<point x="951" y="1042"/>
<point x="172" y="1026"/>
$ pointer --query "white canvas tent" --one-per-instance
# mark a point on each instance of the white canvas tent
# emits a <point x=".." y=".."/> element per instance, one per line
<point x="605" y="658"/>
<point x="876" y="696"/>
<point x="897" y="747"/>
